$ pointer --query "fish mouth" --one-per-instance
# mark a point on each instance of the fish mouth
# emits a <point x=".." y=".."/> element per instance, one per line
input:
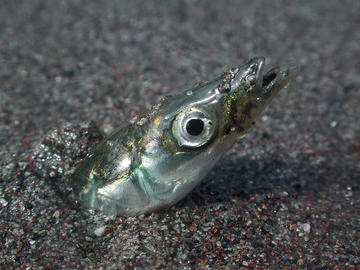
<point x="270" y="83"/>
<point x="277" y="78"/>
<point x="254" y="89"/>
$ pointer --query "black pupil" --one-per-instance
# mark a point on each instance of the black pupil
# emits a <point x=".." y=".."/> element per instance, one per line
<point x="194" y="127"/>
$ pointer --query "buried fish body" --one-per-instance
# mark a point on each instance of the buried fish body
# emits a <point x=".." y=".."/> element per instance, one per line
<point x="160" y="156"/>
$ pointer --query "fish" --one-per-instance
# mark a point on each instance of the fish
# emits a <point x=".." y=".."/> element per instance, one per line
<point x="159" y="156"/>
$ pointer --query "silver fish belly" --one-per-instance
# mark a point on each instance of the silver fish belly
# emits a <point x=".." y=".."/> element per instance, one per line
<point x="158" y="157"/>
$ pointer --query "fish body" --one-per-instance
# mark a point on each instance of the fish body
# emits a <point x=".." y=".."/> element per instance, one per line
<point x="158" y="157"/>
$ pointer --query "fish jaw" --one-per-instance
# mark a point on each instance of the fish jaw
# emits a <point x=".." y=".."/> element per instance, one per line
<point x="251" y="91"/>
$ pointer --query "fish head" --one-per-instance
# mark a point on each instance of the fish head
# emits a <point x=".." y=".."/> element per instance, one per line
<point x="192" y="130"/>
<point x="225" y="107"/>
<point x="161" y="155"/>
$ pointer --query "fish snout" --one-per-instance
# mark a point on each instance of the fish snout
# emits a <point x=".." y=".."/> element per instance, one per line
<point x="252" y="79"/>
<point x="277" y="78"/>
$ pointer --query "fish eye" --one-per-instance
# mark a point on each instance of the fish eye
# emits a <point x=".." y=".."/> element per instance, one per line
<point x="193" y="127"/>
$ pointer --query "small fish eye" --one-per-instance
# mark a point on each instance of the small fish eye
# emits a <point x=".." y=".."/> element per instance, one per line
<point x="194" y="127"/>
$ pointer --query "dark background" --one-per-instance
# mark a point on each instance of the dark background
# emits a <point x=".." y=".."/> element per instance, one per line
<point x="286" y="196"/>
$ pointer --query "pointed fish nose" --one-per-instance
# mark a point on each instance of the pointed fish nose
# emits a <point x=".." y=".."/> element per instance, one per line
<point x="277" y="78"/>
